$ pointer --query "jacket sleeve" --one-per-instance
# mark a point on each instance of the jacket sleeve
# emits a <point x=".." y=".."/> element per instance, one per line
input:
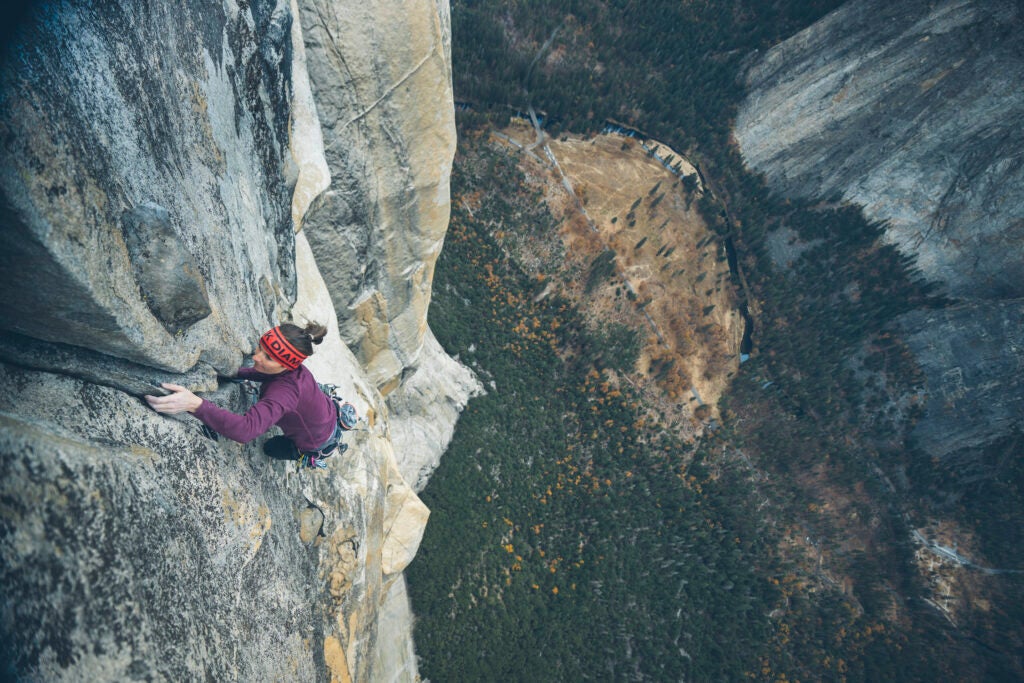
<point x="251" y="373"/>
<point x="257" y="420"/>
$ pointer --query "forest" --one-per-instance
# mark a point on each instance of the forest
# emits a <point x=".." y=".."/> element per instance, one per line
<point x="572" y="540"/>
<point x="566" y="537"/>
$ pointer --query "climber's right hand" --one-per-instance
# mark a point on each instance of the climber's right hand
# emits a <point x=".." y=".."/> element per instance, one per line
<point x="180" y="400"/>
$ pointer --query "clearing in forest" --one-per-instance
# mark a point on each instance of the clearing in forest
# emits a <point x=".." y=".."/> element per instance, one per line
<point x="637" y="252"/>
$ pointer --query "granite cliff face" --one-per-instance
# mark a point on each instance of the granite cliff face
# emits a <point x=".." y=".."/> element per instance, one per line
<point x="914" y="111"/>
<point x="162" y="169"/>
<point x="381" y="222"/>
<point x="134" y="142"/>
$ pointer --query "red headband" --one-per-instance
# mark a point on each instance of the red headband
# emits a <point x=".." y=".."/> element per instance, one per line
<point x="281" y="350"/>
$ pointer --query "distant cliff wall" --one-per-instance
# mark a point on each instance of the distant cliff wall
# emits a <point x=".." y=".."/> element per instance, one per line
<point x="161" y="170"/>
<point x="914" y="111"/>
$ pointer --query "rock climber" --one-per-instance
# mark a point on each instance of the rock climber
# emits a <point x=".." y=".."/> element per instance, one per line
<point x="289" y="397"/>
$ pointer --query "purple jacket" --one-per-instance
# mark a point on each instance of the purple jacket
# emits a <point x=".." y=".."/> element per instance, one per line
<point x="292" y="400"/>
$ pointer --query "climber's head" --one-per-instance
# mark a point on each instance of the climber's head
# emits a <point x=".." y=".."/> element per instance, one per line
<point x="284" y="347"/>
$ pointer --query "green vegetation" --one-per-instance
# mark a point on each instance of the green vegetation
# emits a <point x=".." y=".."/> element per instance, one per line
<point x="666" y="67"/>
<point x="777" y="550"/>
<point x="565" y="539"/>
<point x="601" y="270"/>
<point x="571" y="538"/>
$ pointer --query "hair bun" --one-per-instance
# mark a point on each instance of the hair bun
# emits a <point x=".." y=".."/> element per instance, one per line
<point x="315" y="332"/>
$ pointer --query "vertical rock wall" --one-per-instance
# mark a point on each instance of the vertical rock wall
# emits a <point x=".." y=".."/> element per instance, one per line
<point x="384" y="72"/>
<point x="157" y="163"/>
<point x="424" y="411"/>
<point x="145" y="178"/>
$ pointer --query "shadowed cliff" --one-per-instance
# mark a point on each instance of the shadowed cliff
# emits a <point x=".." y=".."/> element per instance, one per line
<point x="914" y="112"/>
